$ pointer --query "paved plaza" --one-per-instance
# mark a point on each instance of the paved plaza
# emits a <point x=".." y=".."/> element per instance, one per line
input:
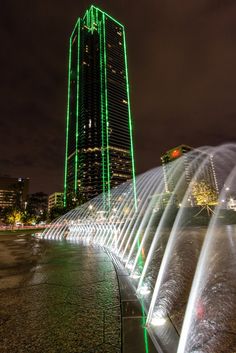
<point x="57" y="297"/>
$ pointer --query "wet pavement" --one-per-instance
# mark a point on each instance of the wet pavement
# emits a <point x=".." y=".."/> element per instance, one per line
<point x="135" y="337"/>
<point x="57" y="297"/>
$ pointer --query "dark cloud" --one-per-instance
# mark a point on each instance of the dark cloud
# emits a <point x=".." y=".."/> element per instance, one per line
<point x="182" y="76"/>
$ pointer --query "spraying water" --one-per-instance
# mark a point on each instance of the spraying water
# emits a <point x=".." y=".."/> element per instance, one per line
<point x="178" y="242"/>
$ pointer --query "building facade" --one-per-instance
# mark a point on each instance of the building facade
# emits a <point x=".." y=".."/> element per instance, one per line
<point x="183" y="165"/>
<point x="99" y="138"/>
<point x="55" y="200"/>
<point x="13" y="192"/>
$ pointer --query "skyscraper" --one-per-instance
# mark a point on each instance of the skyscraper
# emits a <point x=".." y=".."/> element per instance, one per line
<point x="99" y="142"/>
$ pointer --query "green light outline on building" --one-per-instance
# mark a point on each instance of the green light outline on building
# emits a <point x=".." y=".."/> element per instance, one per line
<point x="102" y="107"/>
<point x="106" y="14"/>
<point x="67" y="125"/>
<point x="90" y="16"/>
<point x="130" y="122"/>
<point x="77" y="107"/>
<point x="106" y="107"/>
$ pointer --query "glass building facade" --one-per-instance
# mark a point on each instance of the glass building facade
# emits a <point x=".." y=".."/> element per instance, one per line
<point x="99" y="142"/>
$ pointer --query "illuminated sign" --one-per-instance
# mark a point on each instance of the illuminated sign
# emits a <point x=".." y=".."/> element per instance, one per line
<point x="175" y="153"/>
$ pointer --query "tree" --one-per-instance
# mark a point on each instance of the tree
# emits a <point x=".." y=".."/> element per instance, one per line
<point x="204" y="195"/>
<point x="56" y="212"/>
<point x="14" y="217"/>
<point x="36" y="209"/>
<point x="75" y="200"/>
<point x="28" y="218"/>
<point x="4" y="214"/>
<point x="11" y="215"/>
<point x="37" y="203"/>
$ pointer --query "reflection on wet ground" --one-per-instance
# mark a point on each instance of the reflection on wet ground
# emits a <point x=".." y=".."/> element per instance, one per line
<point x="57" y="297"/>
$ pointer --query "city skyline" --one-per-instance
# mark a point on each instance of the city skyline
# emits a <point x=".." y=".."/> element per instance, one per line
<point x="182" y="81"/>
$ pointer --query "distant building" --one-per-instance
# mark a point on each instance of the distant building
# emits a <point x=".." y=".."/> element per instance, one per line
<point x="13" y="192"/>
<point x="99" y="137"/>
<point x="55" y="200"/>
<point x="184" y="164"/>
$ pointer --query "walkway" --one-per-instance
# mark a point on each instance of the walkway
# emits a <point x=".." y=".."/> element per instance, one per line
<point x="57" y="298"/>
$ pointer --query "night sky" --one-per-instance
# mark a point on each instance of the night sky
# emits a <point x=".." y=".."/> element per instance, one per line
<point x="182" y="68"/>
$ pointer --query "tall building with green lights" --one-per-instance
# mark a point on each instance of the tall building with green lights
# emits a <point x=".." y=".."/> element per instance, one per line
<point x="99" y="138"/>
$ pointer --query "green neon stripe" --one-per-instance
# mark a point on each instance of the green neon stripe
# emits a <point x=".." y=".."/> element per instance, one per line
<point x="106" y="14"/>
<point x="145" y="334"/>
<point x="89" y="19"/>
<point x="77" y="109"/>
<point x="85" y="15"/>
<point x="102" y="108"/>
<point x="67" y="126"/>
<point x="130" y="123"/>
<point x="143" y="320"/>
<point x="76" y="25"/>
<point x="106" y="106"/>
<point x="96" y="15"/>
<point x="92" y="19"/>
<point x="113" y="19"/>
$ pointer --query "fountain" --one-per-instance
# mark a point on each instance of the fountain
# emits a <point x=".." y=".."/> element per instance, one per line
<point x="178" y="246"/>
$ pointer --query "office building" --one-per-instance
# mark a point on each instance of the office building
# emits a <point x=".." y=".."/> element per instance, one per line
<point x="99" y="140"/>
<point x="13" y="192"/>
<point x="55" y="200"/>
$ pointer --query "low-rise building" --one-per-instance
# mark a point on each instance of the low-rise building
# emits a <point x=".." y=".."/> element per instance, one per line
<point x="55" y="200"/>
